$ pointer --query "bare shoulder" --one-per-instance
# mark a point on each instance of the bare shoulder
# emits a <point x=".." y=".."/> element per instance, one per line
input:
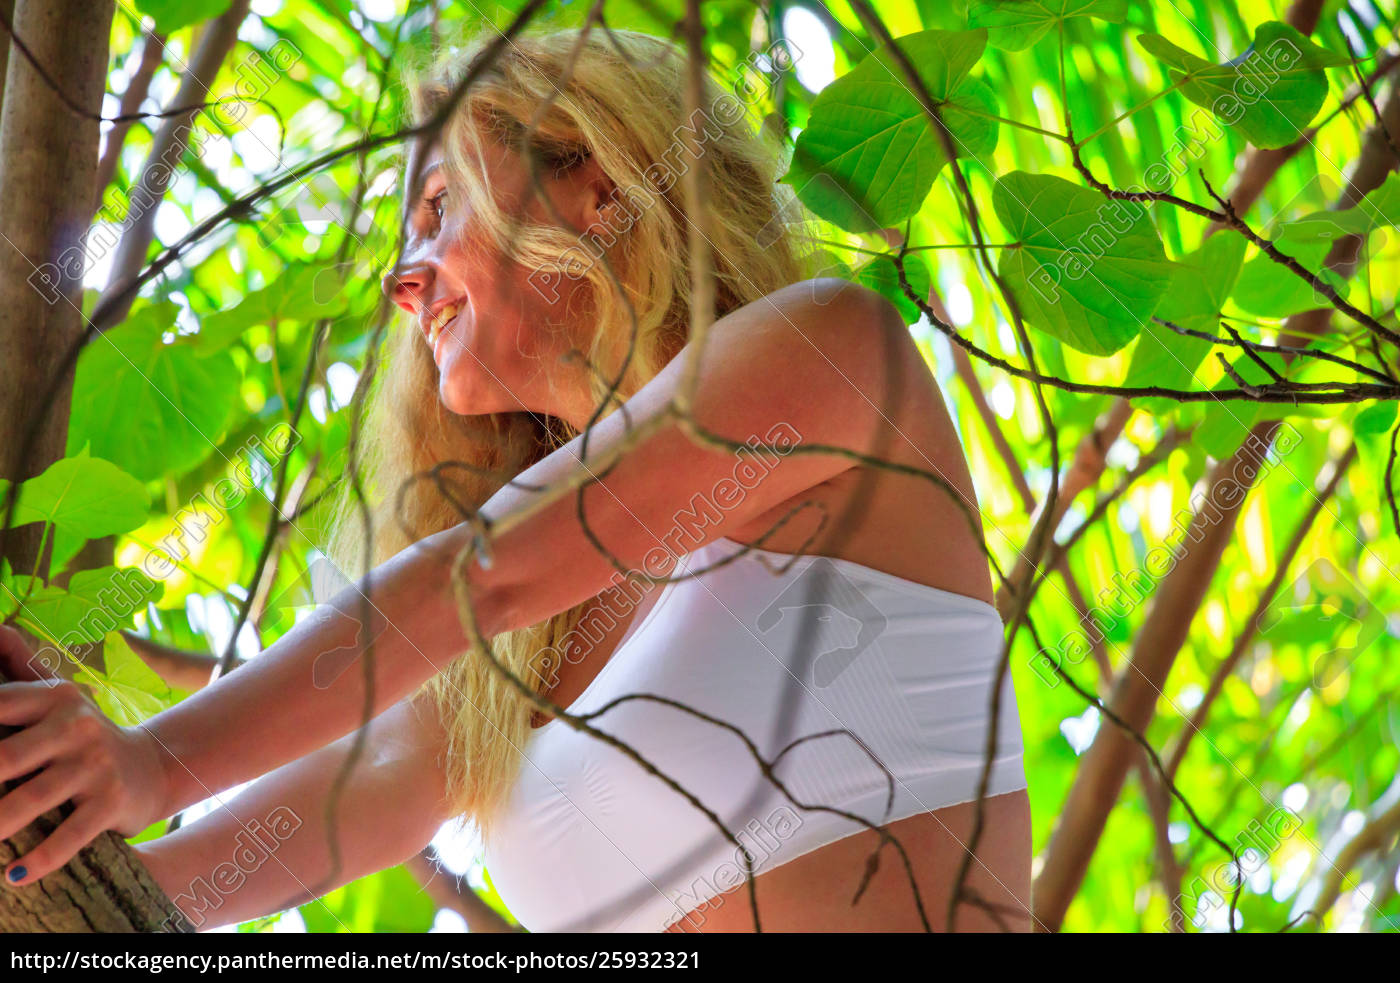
<point x="841" y="319"/>
<point x="826" y="350"/>
<point x="831" y="366"/>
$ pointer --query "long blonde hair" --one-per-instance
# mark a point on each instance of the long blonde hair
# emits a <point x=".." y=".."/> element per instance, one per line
<point x="619" y="100"/>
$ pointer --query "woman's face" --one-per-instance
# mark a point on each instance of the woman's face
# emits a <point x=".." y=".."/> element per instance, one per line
<point x="497" y="329"/>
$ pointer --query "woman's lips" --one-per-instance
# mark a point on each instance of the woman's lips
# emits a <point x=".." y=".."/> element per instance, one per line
<point x="439" y="322"/>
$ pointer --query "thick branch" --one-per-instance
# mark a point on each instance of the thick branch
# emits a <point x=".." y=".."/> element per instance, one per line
<point x="167" y="147"/>
<point x="1134" y="697"/>
<point x="1251" y="625"/>
<point x="105" y="888"/>
<point x="152" y="51"/>
<point x="7" y="11"/>
<point x="1175" y="603"/>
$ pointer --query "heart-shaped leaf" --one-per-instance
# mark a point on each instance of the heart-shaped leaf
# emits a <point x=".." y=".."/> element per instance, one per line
<point x="129" y="691"/>
<point x="1270" y="289"/>
<point x="151" y="408"/>
<point x="1269" y="93"/>
<point x="881" y="275"/>
<point x="84" y="497"/>
<point x="869" y="154"/>
<point x="1198" y="290"/>
<point x="171" y="15"/>
<point x="1085" y="269"/>
<point x="95" y="602"/>
<point x="301" y="293"/>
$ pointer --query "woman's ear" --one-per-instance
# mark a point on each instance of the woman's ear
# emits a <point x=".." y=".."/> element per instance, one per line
<point x="598" y="196"/>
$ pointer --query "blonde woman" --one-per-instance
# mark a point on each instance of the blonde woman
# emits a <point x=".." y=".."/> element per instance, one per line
<point x="834" y="678"/>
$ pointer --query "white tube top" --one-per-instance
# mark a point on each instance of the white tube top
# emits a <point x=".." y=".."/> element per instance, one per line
<point x="591" y="842"/>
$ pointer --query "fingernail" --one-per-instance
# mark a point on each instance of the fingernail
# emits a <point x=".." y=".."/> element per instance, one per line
<point x="17" y="874"/>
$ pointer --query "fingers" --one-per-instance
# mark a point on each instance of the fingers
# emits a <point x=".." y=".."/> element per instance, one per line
<point x="18" y="661"/>
<point x="27" y="802"/>
<point x="74" y="833"/>
<point x="62" y="750"/>
<point x="25" y="751"/>
<point x="21" y="704"/>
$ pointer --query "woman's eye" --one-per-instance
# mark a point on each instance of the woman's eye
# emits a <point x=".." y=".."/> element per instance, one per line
<point x="432" y="209"/>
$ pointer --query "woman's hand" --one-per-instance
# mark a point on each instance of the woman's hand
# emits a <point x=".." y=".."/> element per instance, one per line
<point x="67" y="750"/>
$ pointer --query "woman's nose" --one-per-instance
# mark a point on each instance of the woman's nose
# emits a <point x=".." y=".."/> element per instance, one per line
<point x="409" y="286"/>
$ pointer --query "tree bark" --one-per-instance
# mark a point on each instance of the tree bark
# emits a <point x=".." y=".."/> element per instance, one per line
<point x="1134" y="698"/>
<point x="48" y="161"/>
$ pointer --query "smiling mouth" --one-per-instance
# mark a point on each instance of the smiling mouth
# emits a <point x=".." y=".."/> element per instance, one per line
<point x="438" y="323"/>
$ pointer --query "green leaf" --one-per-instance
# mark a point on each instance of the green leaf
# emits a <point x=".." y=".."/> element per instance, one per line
<point x="388" y="901"/>
<point x="96" y="602"/>
<point x="171" y="15"/>
<point x="84" y="497"/>
<point x="1270" y="93"/>
<point x="1377" y="418"/>
<point x="302" y="293"/>
<point x="1270" y="289"/>
<point x="1018" y="24"/>
<point x="1085" y="269"/>
<point x="129" y="691"/>
<point x="1378" y="209"/>
<point x="1225" y="425"/>
<point x="881" y="275"/>
<point x="1199" y="287"/>
<point x="869" y="154"/>
<point x="151" y="408"/>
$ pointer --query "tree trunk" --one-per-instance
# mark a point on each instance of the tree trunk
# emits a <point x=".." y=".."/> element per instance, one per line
<point x="48" y="161"/>
<point x="1134" y="697"/>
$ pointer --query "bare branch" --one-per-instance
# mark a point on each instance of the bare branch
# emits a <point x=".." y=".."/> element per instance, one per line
<point x="152" y="51"/>
<point x="169" y="144"/>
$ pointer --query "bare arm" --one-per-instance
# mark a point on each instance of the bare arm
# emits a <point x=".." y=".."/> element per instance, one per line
<point x="758" y="377"/>
<point x="268" y="848"/>
<point x="797" y="364"/>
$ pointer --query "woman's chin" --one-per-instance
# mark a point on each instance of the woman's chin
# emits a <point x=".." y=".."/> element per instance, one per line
<point x="473" y="397"/>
